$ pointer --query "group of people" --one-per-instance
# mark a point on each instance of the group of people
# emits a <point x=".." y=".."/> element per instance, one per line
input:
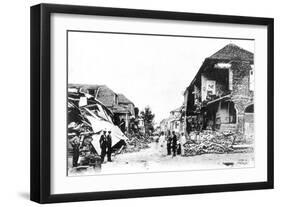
<point x="105" y="145"/>
<point x="174" y="142"/>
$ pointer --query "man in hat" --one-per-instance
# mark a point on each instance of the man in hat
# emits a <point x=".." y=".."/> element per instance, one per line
<point x="169" y="142"/>
<point x="174" y="143"/>
<point x="103" y="145"/>
<point x="75" y="143"/>
<point x="109" y="143"/>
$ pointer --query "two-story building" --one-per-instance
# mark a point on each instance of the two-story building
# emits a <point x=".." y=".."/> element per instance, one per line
<point x="120" y="106"/>
<point x="175" y="122"/>
<point x="125" y="110"/>
<point x="221" y="95"/>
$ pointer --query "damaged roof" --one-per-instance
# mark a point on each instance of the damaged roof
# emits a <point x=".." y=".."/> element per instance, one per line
<point x="101" y="92"/>
<point x="123" y="99"/>
<point x="120" y="109"/>
<point x="106" y="95"/>
<point x="233" y="52"/>
<point x="227" y="53"/>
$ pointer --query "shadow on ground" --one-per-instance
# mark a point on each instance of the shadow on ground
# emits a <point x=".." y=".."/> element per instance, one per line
<point x="24" y="195"/>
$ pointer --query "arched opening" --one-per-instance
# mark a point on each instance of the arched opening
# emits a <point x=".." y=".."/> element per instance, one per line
<point x="250" y="109"/>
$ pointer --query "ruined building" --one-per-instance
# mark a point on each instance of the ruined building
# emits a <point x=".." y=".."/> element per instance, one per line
<point x="221" y="95"/>
<point x="118" y="104"/>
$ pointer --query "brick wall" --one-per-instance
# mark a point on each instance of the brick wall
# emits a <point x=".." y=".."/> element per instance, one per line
<point x="241" y="94"/>
<point x="241" y="84"/>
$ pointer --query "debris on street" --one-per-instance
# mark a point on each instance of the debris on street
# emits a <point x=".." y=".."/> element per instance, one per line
<point x="137" y="142"/>
<point x="208" y="142"/>
<point x="86" y="123"/>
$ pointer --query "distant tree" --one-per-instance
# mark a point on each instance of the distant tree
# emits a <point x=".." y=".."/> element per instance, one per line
<point x="147" y="117"/>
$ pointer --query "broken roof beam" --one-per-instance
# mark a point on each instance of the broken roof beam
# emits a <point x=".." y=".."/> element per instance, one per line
<point x="219" y="99"/>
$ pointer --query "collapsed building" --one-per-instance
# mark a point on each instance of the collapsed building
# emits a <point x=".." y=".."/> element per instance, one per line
<point x="93" y="109"/>
<point x="88" y="117"/>
<point x="221" y="95"/>
<point x="119" y="105"/>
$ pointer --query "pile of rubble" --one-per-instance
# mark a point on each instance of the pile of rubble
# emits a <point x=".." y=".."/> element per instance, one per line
<point x="137" y="142"/>
<point x="90" y="120"/>
<point x="208" y="142"/>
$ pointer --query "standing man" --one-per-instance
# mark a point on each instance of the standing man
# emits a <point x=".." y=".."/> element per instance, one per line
<point x="174" y="143"/>
<point x="103" y="145"/>
<point x="109" y="143"/>
<point x="169" y="143"/>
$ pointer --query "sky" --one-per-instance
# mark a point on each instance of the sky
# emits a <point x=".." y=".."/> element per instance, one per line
<point x="149" y="70"/>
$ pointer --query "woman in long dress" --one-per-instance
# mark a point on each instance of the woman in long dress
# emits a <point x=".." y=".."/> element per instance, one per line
<point x="182" y="142"/>
<point x="161" y="143"/>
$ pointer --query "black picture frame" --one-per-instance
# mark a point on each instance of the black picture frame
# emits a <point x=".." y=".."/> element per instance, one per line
<point x="41" y="99"/>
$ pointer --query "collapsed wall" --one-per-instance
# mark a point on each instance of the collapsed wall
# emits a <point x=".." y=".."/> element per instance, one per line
<point x="212" y="142"/>
<point x="90" y="120"/>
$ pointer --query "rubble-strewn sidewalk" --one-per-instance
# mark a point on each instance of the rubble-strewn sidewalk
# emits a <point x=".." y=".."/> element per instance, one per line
<point x="208" y="142"/>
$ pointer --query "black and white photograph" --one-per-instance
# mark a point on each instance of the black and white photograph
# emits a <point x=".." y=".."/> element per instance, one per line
<point x="146" y="103"/>
<point x="140" y="103"/>
<point x="129" y="103"/>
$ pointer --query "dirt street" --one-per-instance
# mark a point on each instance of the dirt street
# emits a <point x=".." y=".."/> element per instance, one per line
<point x="154" y="159"/>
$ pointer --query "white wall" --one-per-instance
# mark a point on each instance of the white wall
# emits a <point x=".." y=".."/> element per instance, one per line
<point x="14" y="118"/>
